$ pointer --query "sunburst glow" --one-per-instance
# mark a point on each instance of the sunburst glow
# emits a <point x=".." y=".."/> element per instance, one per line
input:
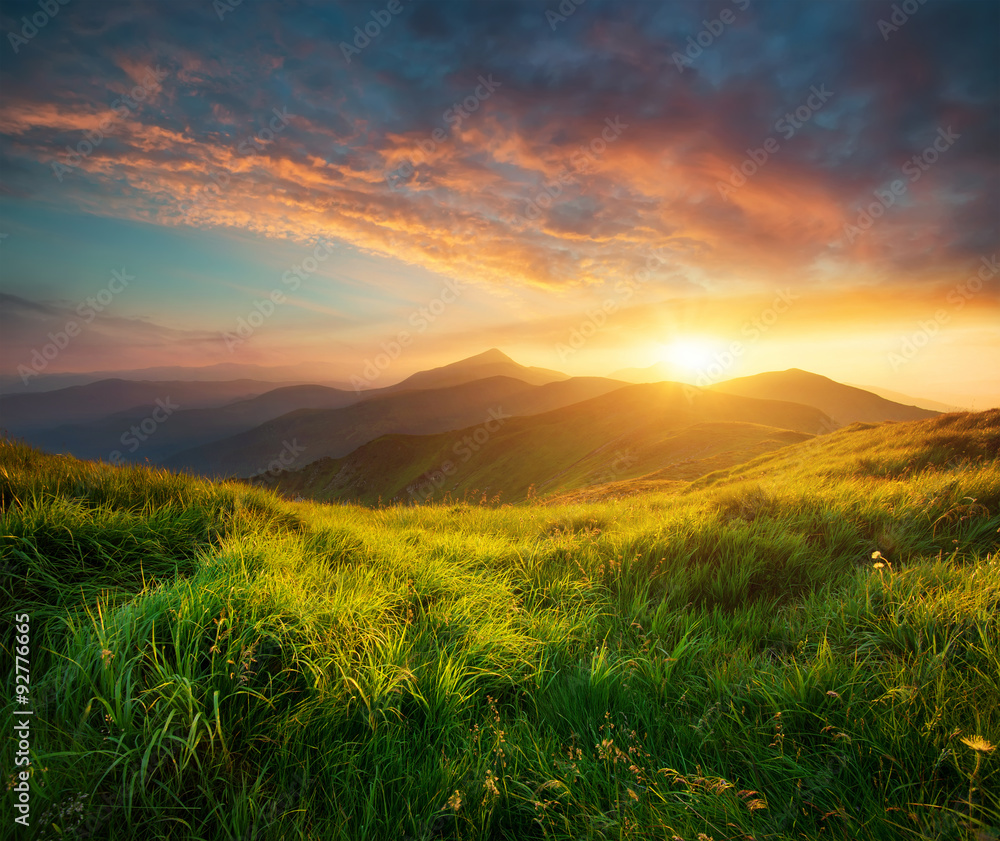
<point x="693" y="353"/>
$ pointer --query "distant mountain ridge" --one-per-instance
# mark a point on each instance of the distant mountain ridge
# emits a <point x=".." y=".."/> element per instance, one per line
<point x="307" y="372"/>
<point x="21" y="413"/>
<point x="231" y="428"/>
<point x="844" y="403"/>
<point x="907" y="400"/>
<point x="187" y="427"/>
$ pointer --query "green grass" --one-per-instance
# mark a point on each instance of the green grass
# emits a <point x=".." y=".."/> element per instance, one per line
<point x="540" y="462"/>
<point x="209" y="661"/>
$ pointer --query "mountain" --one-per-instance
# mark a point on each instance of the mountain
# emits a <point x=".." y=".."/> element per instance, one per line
<point x="844" y="403"/>
<point x="336" y="432"/>
<point x="25" y="413"/>
<point x="239" y="427"/>
<point x="182" y="428"/>
<point x="663" y="430"/>
<point x="658" y="372"/>
<point x="492" y="363"/>
<point x="97" y="420"/>
<point x="979" y="395"/>
<point x="316" y="372"/>
<point x="907" y="400"/>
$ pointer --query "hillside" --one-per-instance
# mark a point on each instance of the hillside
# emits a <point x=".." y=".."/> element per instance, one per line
<point x="878" y="452"/>
<point x="730" y="661"/>
<point x="630" y="432"/>
<point x="844" y="403"/>
<point x="416" y="468"/>
<point x="336" y="432"/>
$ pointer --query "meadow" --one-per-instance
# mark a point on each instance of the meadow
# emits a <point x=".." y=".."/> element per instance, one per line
<point x="803" y="646"/>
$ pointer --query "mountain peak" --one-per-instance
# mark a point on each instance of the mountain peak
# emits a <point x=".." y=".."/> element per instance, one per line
<point x="845" y="404"/>
<point x="799" y="372"/>
<point x="493" y="355"/>
<point x="490" y="363"/>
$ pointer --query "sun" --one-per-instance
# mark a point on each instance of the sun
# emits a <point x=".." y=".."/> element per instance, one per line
<point x="690" y="353"/>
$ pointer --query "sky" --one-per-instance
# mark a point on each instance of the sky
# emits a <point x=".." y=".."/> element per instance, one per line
<point x="374" y="188"/>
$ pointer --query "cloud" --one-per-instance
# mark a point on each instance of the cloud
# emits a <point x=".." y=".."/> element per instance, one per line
<point x="182" y="158"/>
<point x="88" y="339"/>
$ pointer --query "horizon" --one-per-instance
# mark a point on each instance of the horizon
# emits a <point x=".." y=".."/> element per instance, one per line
<point x="412" y="184"/>
<point x="627" y="376"/>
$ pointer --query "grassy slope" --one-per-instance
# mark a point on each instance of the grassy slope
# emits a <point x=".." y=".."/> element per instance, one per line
<point x="211" y="662"/>
<point x="703" y="449"/>
<point x="551" y="461"/>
